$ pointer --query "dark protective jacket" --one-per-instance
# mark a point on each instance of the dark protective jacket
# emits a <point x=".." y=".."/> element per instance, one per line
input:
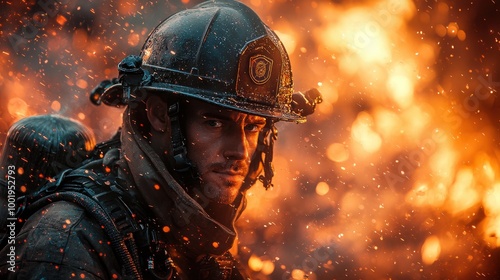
<point x="62" y="240"/>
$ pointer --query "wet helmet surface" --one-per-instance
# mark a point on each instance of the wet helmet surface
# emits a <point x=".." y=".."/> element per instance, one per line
<point x="222" y="53"/>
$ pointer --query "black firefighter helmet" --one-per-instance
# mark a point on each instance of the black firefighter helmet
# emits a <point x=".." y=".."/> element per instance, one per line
<point x="220" y="52"/>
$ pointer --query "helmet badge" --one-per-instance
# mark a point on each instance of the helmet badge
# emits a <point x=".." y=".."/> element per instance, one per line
<point x="260" y="69"/>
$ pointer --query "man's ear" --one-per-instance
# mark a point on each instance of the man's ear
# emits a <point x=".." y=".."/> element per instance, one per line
<point x="157" y="111"/>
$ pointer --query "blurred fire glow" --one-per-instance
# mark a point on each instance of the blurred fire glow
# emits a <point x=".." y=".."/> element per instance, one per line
<point x="397" y="175"/>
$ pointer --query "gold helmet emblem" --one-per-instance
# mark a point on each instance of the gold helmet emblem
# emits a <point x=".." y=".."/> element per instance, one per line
<point x="260" y="69"/>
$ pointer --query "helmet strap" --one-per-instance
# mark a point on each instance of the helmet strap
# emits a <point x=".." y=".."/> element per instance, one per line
<point x="263" y="157"/>
<point x="267" y="144"/>
<point x="179" y="160"/>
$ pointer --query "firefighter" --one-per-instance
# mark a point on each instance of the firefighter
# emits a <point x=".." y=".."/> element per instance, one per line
<point x="201" y="102"/>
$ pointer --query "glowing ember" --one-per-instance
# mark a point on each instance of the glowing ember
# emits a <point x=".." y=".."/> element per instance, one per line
<point x="56" y="106"/>
<point x="337" y="152"/>
<point x="134" y="39"/>
<point x="322" y="188"/>
<point x="363" y="133"/>
<point x="255" y="263"/>
<point x="81" y="84"/>
<point x="17" y="108"/>
<point x="431" y="250"/>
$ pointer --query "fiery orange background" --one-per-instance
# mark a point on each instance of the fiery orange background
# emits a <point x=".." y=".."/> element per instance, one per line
<point x="397" y="175"/>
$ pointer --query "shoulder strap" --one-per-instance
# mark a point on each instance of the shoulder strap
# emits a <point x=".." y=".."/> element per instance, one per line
<point x="86" y="189"/>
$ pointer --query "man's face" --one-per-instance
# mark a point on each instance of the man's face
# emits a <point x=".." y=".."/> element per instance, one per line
<point x="221" y="143"/>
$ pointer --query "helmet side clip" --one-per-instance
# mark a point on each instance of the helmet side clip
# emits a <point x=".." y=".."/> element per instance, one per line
<point x="132" y="76"/>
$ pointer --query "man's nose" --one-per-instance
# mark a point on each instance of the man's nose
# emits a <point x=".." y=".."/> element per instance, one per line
<point x="236" y="145"/>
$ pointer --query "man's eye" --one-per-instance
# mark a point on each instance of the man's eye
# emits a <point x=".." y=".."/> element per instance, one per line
<point x="214" y="123"/>
<point x="254" y="127"/>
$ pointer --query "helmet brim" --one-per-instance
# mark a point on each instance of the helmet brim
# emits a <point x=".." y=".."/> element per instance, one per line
<point x="113" y="96"/>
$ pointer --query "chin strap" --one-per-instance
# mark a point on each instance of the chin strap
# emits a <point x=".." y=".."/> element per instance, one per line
<point x="180" y="161"/>
<point x="268" y="137"/>
<point x="263" y="157"/>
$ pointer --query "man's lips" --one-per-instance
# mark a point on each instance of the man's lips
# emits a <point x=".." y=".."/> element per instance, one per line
<point x="235" y="169"/>
<point x="230" y="172"/>
<point x="230" y="175"/>
<point x="233" y="174"/>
